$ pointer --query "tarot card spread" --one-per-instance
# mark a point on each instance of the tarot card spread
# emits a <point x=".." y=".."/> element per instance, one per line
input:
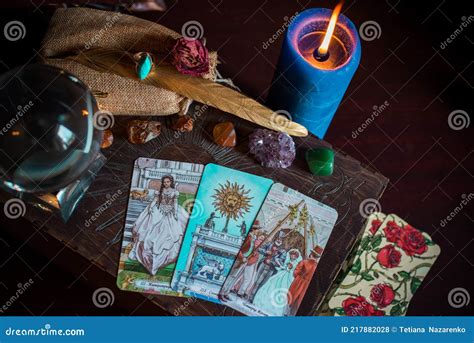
<point x="389" y="269"/>
<point x="280" y="254"/>
<point x="226" y="205"/>
<point x="161" y="199"/>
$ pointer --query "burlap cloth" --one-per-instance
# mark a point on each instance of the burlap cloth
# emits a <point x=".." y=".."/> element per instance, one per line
<point x="74" y="30"/>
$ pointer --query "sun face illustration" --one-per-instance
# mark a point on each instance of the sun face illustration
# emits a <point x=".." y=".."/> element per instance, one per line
<point x="232" y="201"/>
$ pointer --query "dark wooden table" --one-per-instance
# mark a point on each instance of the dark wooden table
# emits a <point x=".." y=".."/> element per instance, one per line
<point x="100" y="242"/>
<point x="429" y="164"/>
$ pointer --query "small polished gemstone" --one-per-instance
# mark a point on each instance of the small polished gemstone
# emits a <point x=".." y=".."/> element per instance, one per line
<point x="224" y="134"/>
<point x="107" y="139"/>
<point x="144" y="65"/>
<point x="272" y="149"/>
<point x="183" y="124"/>
<point x="142" y="131"/>
<point x="320" y="161"/>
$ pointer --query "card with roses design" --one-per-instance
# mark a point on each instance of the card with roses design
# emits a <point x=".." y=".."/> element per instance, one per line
<point x="390" y="264"/>
<point x="371" y="226"/>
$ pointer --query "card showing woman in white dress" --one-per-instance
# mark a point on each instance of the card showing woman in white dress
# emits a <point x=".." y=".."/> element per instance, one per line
<point x="158" y="231"/>
<point x="161" y="199"/>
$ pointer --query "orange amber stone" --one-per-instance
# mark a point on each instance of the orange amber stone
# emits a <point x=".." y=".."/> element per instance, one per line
<point x="224" y="134"/>
<point x="183" y="124"/>
<point x="142" y="131"/>
<point x="107" y="139"/>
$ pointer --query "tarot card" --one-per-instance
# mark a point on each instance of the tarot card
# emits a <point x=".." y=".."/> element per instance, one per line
<point x="280" y="254"/>
<point x="161" y="198"/>
<point x="371" y="227"/>
<point x="388" y="271"/>
<point x="226" y="205"/>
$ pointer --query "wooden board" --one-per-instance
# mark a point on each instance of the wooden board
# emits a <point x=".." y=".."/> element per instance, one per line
<point x="344" y="190"/>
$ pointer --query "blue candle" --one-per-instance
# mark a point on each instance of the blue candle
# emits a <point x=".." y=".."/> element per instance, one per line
<point x="310" y="83"/>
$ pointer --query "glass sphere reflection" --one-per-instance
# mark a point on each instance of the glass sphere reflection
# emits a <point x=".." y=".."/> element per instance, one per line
<point x="47" y="134"/>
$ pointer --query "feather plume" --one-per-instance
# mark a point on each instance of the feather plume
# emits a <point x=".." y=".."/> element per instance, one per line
<point x="164" y="75"/>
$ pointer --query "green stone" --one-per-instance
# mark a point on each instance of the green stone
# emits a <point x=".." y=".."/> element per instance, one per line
<point x="144" y="66"/>
<point x="320" y="161"/>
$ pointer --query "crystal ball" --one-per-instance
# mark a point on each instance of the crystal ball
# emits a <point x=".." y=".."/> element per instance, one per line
<point x="47" y="132"/>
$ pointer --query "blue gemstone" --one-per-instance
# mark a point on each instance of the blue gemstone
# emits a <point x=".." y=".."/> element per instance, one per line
<point x="144" y="66"/>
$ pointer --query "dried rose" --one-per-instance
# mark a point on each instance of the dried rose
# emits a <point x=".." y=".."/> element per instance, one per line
<point x="190" y="57"/>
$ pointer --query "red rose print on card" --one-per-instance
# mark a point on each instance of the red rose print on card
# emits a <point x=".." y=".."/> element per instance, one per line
<point x="390" y="263"/>
<point x="382" y="294"/>
<point x="412" y="241"/>
<point x="358" y="306"/>
<point x="375" y="225"/>
<point x="392" y="231"/>
<point x="389" y="256"/>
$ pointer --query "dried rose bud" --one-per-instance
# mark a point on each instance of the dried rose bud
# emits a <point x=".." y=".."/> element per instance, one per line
<point x="190" y="57"/>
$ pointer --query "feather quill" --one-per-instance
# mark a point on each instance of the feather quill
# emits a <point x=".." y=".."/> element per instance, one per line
<point x="164" y="75"/>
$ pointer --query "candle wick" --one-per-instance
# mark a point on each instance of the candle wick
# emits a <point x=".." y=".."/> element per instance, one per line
<point x="320" y="56"/>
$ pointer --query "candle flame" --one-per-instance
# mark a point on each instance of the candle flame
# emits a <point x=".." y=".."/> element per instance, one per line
<point x="324" y="47"/>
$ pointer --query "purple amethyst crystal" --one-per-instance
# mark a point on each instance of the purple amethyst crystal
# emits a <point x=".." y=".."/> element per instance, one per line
<point x="272" y="149"/>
